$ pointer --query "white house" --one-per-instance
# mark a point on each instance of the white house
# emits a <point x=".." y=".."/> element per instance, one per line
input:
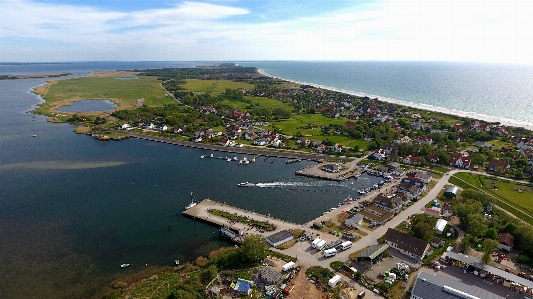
<point x="354" y="221"/>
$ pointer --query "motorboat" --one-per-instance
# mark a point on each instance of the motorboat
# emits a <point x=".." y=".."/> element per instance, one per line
<point x="246" y="184"/>
<point x="124" y="265"/>
<point x="235" y="158"/>
<point x="192" y="203"/>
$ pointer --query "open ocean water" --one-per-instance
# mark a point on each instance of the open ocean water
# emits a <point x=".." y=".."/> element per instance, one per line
<point x="72" y="208"/>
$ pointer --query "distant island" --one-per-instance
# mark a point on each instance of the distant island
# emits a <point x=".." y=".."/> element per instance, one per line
<point x="35" y="76"/>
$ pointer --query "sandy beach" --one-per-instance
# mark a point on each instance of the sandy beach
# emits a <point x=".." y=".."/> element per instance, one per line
<point x="472" y="115"/>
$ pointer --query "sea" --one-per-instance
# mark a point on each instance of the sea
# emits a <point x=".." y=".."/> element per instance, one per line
<point x="73" y="209"/>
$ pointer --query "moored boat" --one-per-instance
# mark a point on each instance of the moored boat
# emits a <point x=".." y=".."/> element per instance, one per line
<point x="192" y="203"/>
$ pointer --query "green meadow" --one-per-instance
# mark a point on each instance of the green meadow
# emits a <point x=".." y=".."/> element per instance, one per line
<point x="214" y="86"/>
<point x="124" y="93"/>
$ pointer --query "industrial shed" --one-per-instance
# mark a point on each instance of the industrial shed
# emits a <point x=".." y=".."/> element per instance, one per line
<point x="279" y="238"/>
<point x="451" y="192"/>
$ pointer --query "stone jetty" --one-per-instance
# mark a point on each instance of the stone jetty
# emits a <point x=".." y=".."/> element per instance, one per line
<point x="200" y="212"/>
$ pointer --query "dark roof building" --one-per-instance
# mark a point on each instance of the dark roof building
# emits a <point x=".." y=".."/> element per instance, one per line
<point x="279" y="238"/>
<point x="506" y="241"/>
<point x="407" y="244"/>
<point x="435" y="286"/>
<point x="451" y="192"/>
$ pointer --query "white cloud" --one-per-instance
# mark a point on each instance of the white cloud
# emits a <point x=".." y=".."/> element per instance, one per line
<point x="396" y="30"/>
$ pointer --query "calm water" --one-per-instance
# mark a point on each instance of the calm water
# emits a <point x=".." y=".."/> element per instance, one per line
<point x="72" y="208"/>
<point x="88" y="106"/>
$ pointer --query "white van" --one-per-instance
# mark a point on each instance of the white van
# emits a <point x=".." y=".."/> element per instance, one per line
<point x="346" y="245"/>
<point x="321" y="245"/>
<point x="315" y="242"/>
<point x="330" y="252"/>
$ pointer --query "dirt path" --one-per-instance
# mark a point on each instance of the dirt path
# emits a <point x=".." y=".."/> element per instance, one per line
<point x="303" y="288"/>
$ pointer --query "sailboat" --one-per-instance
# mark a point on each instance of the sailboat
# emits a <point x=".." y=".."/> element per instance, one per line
<point x="192" y="204"/>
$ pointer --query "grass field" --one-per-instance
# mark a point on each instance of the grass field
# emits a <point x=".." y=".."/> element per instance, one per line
<point x="520" y="203"/>
<point x="124" y="93"/>
<point x="214" y="86"/>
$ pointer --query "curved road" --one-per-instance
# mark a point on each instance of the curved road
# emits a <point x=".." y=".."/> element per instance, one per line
<point x="371" y="238"/>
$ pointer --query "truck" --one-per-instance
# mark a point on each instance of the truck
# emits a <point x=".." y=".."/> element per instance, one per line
<point x="287" y="266"/>
<point x="330" y="252"/>
<point x="288" y="289"/>
<point x="321" y="245"/>
<point x="346" y="245"/>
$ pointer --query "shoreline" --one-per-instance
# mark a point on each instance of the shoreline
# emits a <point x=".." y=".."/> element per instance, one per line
<point x="421" y="106"/>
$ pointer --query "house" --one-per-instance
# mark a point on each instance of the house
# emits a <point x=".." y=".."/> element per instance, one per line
<point x="161" y="127"/>
<point x="434" y="212"/>
<point x="460" y="161"/>
<point x="482" y="144"/>
<point x="407" y="244"/>
<point x="354" y="221"/>
<point x="506" y="241"/>
<point x="125" y="127"/>
<point x="394" y="168"/>
<point x="260" y="142"/>
<point x="403" y="139"/>
<point x="440" y="226"/>
<point x="378" y="154"/>
<point x="421" y="176"/>
<point x="433" y="158"/>
<point x="436" y="242"/>
<point x="435" y="286"/>
<point x="392" y="203"/>
<point x="225" y="142"/>
<point x="495" y="164"/>
<point x="411" y="160"/>
<point x="423" y="139"/>
<point x="376" y="215"/>
<point x="321" y="148"/>
<point x="279" y="238"/>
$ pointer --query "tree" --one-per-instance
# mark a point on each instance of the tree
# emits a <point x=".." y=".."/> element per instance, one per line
<point x="423" y="226"/>
<point x="510" y="227"/>
<point x="464" y="209"/>
<point x="489" y="246"/>
<point x="254" y="249"/>
<point x="524" y="236"/>
<point x="465" y="244"/>
<point x="476" y="224"/>
<point x="491" y="233"/>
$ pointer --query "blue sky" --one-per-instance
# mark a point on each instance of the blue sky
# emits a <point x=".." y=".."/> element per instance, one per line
<point x="75" y="30"/>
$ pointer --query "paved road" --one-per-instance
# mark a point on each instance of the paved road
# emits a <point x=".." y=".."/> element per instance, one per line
<point x="371" y="238"/>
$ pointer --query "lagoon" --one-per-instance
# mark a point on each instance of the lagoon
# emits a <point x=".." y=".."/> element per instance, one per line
<point x="89" y="106"/>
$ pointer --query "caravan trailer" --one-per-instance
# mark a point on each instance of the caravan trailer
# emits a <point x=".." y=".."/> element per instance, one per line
<point x="330" y="252"/>
<point x="321" y="245"/>
<point x="315" y="242"/>
<point x="346" y="245"/>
